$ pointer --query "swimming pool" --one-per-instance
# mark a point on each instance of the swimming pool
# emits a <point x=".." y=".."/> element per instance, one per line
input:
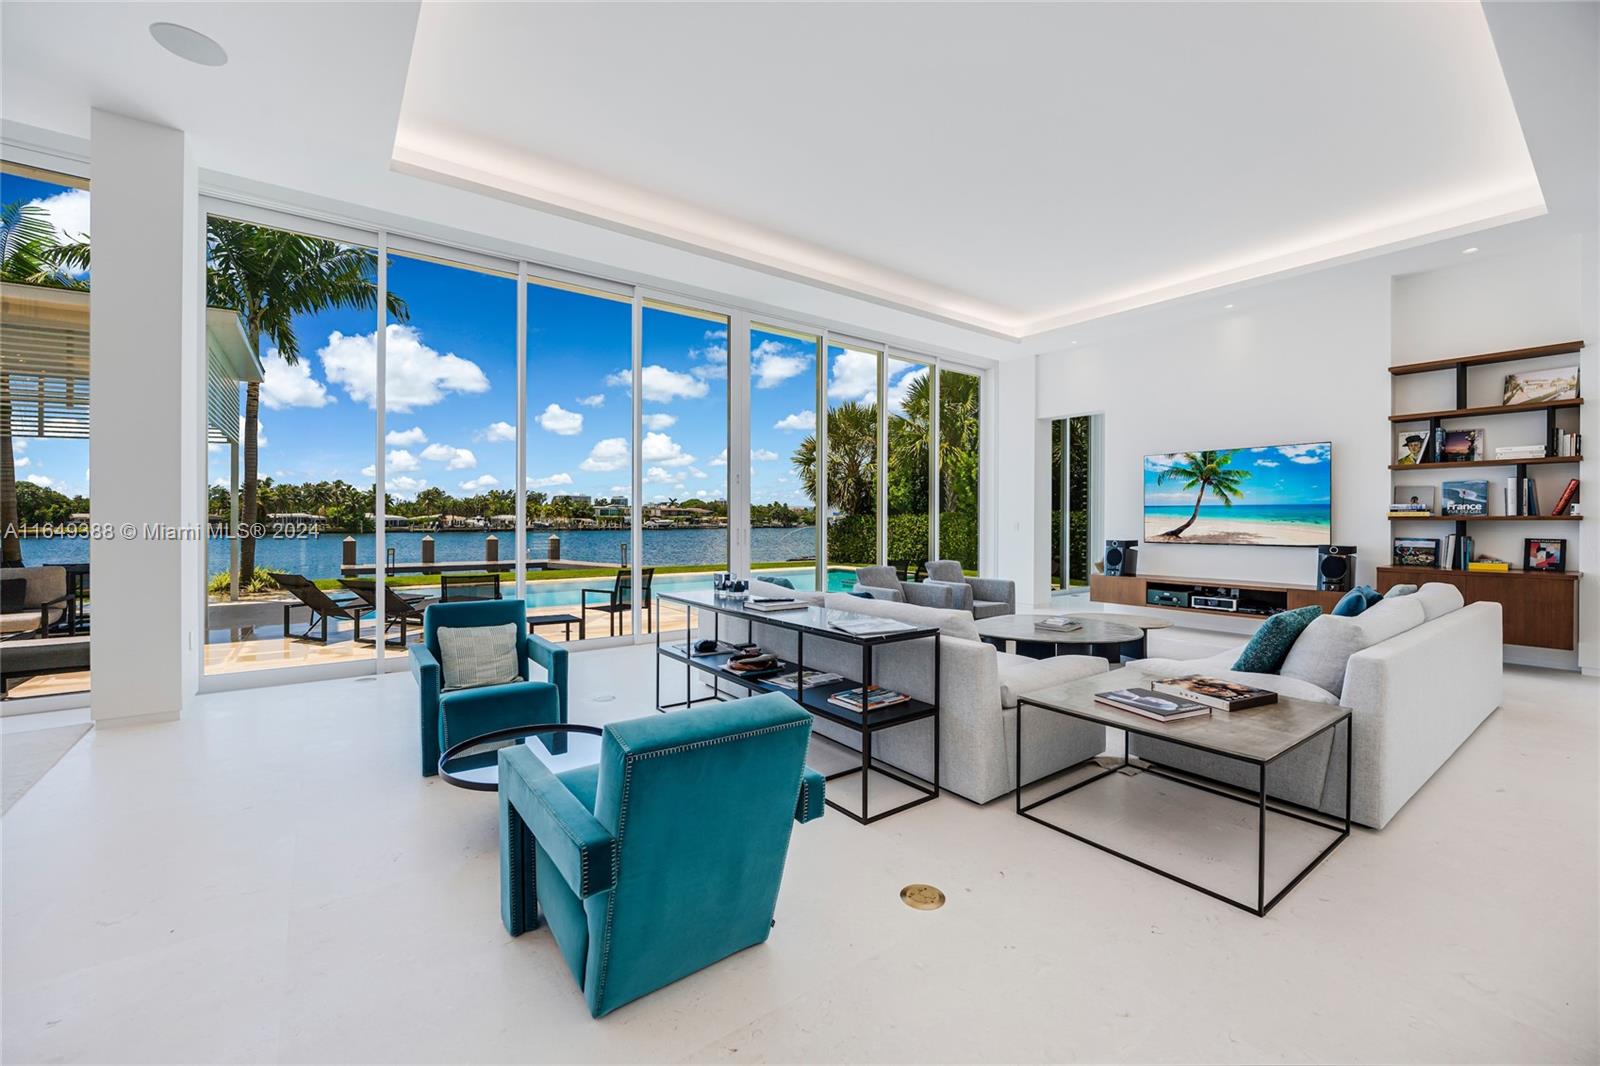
<point x="566" y="593"/>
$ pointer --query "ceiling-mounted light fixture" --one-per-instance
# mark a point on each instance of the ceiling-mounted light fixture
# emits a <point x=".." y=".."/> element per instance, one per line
<point x="188" y="44"/>
<point x="1227" y="307"/>
<point x="1469" y="251"/>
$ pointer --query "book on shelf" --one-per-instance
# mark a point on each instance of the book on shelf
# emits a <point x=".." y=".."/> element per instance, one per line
<point x="1489" y="566"/>
<point x="793" y="679"/>
<point x="1520" y="451"/>
<point x="1151" y="704"/>
<point x="872" y="698"/>
<point x="773" y="604"/>
<point x="1565" y="500"/>
<point x="1216" y="692"/>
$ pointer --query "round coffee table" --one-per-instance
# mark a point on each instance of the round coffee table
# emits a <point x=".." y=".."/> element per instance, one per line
<point x="1094" y="637"/>
<point x="475" y="763"/>
<point x="1145" y="623"/>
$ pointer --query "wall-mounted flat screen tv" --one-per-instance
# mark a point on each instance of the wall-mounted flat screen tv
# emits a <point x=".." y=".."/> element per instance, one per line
<point x="1279" y="495"/>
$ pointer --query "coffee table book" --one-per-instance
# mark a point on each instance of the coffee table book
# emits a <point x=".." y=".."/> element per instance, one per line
<point x="876" y="698"/>
<point x="1216" y="692"/>
<point x="1151" y="704"/>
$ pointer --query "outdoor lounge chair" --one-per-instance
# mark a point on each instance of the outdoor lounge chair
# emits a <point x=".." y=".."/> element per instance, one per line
<point x="455" y="587"/>
<point x="406" y="610"/>
<point x="321" y="605"/>
<point x="619" y="598"/>
<point x="33" y="600"/>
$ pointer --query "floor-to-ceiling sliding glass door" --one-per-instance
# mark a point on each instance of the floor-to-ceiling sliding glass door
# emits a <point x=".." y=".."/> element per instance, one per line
<point x="908" y="403"/>
<point x="959" y="435"/>
<point x="784" y="370"/>
<point x="851" y="444"/>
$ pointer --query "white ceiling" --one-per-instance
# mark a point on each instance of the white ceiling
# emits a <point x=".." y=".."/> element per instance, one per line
<point x="1013" y="166"/>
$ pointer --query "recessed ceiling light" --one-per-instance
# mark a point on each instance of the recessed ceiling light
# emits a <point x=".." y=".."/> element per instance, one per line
<point x="1469" y="251"/>
<point x="1227" y="307"/>
<point x="188" y="44"/>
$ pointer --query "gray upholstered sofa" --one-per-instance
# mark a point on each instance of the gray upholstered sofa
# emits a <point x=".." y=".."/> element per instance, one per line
<point x="1419" y="673"/>
<point x="978" y="694"/>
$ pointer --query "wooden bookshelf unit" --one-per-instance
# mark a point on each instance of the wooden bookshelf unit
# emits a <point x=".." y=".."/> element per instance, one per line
<point x="1257" y="600"/>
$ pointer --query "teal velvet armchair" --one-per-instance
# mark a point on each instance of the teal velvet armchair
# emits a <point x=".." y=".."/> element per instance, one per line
<point x="451" y="717"/>
<point x="666" y="856"/>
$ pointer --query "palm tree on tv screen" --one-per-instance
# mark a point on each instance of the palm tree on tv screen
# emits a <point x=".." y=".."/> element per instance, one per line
<point x="269" y="276"/>
<point x="1205" y="471"/>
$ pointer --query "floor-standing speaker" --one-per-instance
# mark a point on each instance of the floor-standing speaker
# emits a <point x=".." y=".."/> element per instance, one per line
<point x="1336" y="567"/>
<point x="1122" y="558"/>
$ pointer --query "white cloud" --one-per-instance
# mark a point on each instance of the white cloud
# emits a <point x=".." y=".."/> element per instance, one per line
<point x="397" y="461"/>
<point x="657" y="420"/>
<point x="405" y="488"/>
<point x="500" y="433"/>
<point x="1307" y="459"/>
<point x="717" y="335"/>
<point x="261" y="432"/>
<point x="40" y="480"/>
<point x="453" y="458"/>
<point x="20" y="461"/>
<point x="660" y="475"/>
<point x="763" y="455"/>
<point x="405" y="438"/>
<point x="416" y="375"/>
<point x="284" y="385"/>
<point x="560" y="421"/>
<point x="549" y="482"/>
<point x="19" y="445"/>
<point x="608" y="454"/>
<point x="799" y="422"/>
<point x="721" y="459"/>
<point x="854" y="376"/>
<point x="771" y="364"/>
<point x="900" y="388"/>
<point x="660" y="448"/>
<point x="1306" y="453"/>
<point x="68" y="212"/>
<point x="1266" y="462"/>
<point x="662" y="385"/>
<point x="596" y="400"/>
<point x="695" y="471"/>
<point x="481" y="482"/>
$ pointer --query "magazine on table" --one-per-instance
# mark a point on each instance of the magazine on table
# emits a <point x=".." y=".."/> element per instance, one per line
<point x="811" y="677"/>
<point x="875" y="697"/>
<point x="772" y="604"/>
<point x="868" y="627"/>
<point x="1152" y="704"/>
<point x="1216" y="692"/>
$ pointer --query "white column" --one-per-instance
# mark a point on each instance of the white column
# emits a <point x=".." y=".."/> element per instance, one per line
<point x="1022" y="482"/>
<point x="144" y="448"/>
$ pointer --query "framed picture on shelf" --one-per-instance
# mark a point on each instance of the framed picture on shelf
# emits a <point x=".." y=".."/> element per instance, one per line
<point x="1416" y="551"/>
<point x="1542" y="386"/>
<point x="1412" y="499"/>
<point x="1465" y="499"/>
<point x="1545" y="555"/>
<point x="1462" y="446"/>
<point x="1411" y="448"/>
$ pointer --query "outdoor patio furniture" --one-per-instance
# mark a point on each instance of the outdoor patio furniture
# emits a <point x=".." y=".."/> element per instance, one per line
<point x="405" y="610"/>
<point x="667" y="856"/>
<point x="33" y="600"/>
<point x="321" y="606"/>
<point x="619" y="599"/>
<point x="566" y="620"/>
<point x="451" y="716"/>
<point x="904" y="571"/>
<point x="456" y="587"/>
<point x="36" y="658"/>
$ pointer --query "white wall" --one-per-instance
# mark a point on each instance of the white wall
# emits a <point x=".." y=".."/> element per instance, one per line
<point x="144" y="327"/>
<point x="1307" y="359"/>
<point x="1301" y="361"/>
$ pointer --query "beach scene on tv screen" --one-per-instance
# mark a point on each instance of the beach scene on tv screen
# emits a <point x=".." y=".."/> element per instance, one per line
<point x="1276" y="495"/>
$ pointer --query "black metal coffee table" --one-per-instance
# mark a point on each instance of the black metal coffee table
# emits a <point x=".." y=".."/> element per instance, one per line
<point x="475" y="763"/>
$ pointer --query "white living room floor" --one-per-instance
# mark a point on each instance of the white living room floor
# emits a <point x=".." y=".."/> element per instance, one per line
<point x="269" y="879"/>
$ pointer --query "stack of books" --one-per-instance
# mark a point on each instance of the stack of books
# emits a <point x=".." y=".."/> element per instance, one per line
<point x="1152" y="704"/>
<point x="1569" y="444"/>
<point x="1216" y="692"/>
<point x="1514" y="452"/>
<point x="771" y="604"/>
<point x="1061" y="624"/>
<point x="1491" y="566"/>
<point x="872" y="698"/>
<point x="1410" y="510"/>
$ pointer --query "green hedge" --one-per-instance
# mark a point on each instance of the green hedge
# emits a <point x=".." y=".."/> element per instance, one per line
<point x="853" y="539"/>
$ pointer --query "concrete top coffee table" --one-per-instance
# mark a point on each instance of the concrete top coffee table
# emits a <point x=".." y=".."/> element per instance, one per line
<point x="1093" y="637"/>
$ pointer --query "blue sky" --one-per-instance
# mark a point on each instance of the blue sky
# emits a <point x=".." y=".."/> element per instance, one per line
<point x="1290" y="473"/>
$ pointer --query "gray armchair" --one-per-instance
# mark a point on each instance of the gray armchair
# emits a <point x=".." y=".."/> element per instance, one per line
<point x="985" y="597"/>
<point x="883" y="583"/>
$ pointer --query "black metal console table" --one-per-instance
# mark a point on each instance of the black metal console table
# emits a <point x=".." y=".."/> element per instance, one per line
<point x="817" y="623"/>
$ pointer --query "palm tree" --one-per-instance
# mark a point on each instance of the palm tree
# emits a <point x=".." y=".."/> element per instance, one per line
<point x="852" y="460"/>
<point x="32" y="253"/>
<point x="1205" y="470"/>
<point x="269" y="276"/>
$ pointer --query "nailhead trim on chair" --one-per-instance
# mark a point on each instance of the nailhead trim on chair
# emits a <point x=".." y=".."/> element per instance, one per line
<point x="629" y="758"/>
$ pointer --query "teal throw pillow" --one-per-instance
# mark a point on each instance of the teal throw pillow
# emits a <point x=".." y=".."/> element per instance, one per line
<point x="1350" y="604"/>
<point x="1270" y="646"/>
